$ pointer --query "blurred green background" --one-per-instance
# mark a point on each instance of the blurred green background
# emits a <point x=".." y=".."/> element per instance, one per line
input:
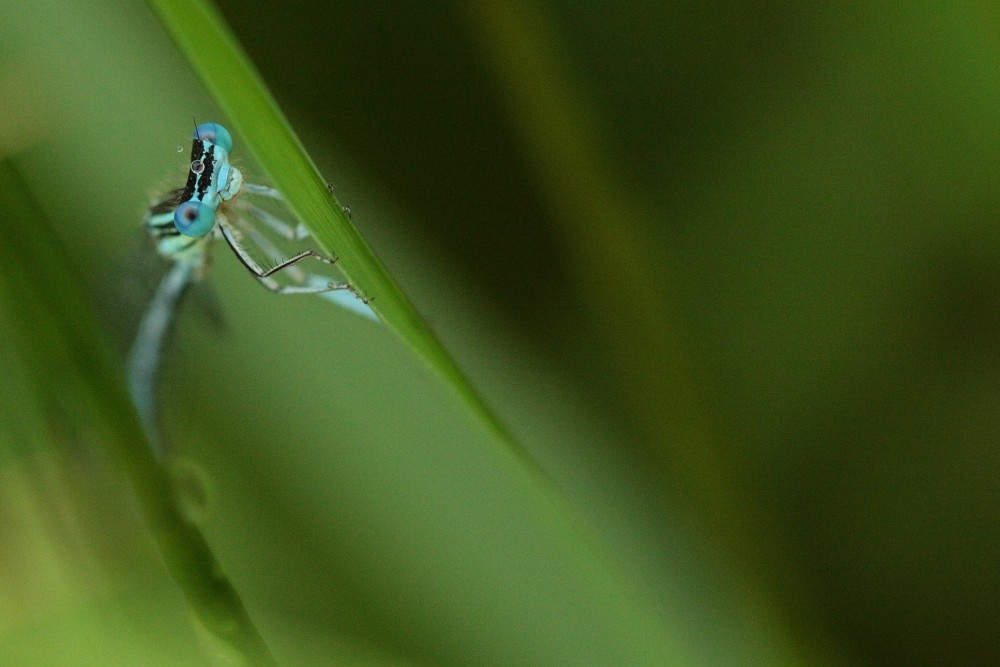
<point x="731" y="270"/>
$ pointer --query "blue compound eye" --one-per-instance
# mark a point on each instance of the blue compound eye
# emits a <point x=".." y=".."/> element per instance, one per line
<point x="216" y="134"/>
<point x="192" y="218"/>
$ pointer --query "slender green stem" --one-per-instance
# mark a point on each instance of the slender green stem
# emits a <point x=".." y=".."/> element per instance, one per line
<point x="56" y="331"/>
<point x="632" y="300"/>
<point x="600" y="226"/>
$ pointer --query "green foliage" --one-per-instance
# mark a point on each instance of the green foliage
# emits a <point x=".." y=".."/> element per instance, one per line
<point x="728" y="276"/>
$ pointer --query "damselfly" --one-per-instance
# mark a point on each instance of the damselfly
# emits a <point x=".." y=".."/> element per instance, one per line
<point x="183" y="224"/>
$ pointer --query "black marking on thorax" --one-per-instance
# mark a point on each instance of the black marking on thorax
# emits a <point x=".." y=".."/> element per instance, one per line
<point x="198" y="184"/>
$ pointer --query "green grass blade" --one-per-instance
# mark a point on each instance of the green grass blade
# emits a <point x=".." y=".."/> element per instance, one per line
<point x="58" y="336"/>
<point x="259" y="125"/>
